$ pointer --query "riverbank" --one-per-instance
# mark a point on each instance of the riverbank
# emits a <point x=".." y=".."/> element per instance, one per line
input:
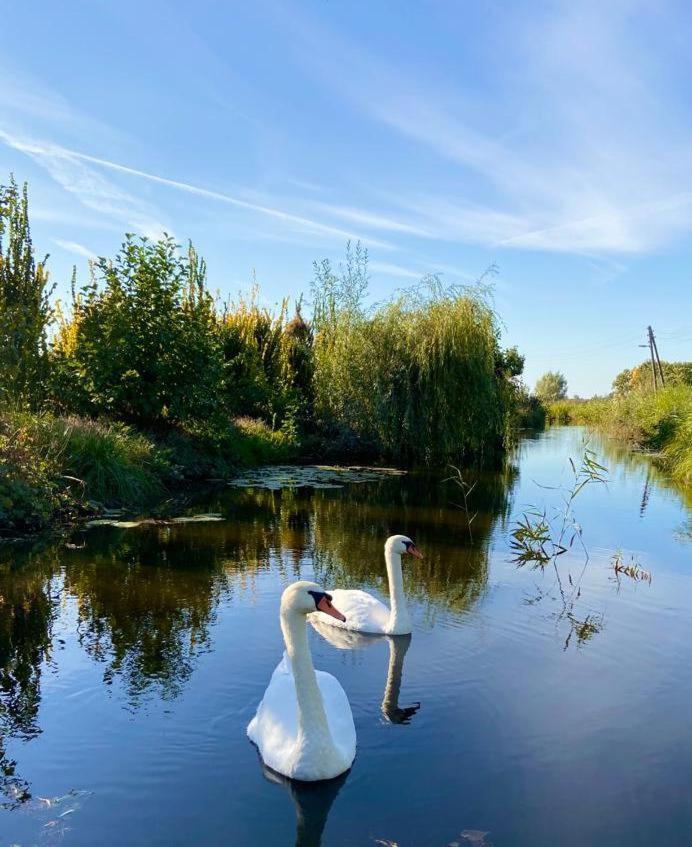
<point x="658" y="423"/>
<point x="56" y="469"/>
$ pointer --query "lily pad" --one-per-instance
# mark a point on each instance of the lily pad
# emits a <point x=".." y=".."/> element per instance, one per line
<point x="205" y="518"/>
<point x="274" y="478"/>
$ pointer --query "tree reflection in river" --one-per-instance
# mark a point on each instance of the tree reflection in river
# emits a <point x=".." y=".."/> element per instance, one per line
<point x="27" y="610"/>
<point x="145" y="598"/>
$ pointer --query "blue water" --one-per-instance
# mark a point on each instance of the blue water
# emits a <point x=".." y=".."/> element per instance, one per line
<point x="132" y="661"/>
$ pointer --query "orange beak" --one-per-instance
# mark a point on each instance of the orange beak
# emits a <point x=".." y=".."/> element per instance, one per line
<point x="326" y="606"/>
<point x="414" y="551"/>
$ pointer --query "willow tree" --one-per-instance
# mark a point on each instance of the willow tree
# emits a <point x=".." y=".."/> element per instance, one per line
<point x="24" y="302"/>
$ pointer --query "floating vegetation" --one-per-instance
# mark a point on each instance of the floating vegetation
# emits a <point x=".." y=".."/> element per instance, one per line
<point x="206" y="518"/>
<point x="310" y="476"/>
<point x="631" y="570"/>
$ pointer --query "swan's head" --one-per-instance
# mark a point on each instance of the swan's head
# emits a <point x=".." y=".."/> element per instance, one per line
<point x="402" y="544"/>
<point x="304" y="597"/>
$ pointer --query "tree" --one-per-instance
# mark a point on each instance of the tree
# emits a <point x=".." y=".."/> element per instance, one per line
<point x="142" y="343"/>
<point x="24" y="301"/>
<point x="551" y="386"/>
<point x="639" y="378"/>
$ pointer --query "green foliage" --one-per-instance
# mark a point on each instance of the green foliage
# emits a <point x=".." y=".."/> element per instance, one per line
<point x="419" y="379"/>
<point x="640" y="377"/>
<point x="268" y="365"/>
<point x="659" y="422"/>
<point x="30" y="495"/>
<point x="141" y="345"/>
<point x="551" y="386"/>
<point x="24" y="302"/>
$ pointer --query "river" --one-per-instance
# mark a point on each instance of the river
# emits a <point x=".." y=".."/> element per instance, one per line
<point x="554" y="703"/>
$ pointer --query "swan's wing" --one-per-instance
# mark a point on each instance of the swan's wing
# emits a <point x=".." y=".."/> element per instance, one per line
<point x="274" y="729"/>
<point x="364" y="613"/>
<point x="339" y="715"/>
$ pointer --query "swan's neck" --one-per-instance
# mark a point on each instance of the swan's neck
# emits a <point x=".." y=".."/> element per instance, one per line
<point x="315" y="743"/>
<point x="399" y="620"/>
<point x="397" y="650"/>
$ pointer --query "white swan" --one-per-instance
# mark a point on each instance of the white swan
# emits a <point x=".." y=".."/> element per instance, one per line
<point x="365" y="613"/>
<point x="303" y="726"/>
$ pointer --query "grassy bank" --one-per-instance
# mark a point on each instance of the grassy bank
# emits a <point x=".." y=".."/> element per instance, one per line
<point x="658" y="422"/>
<point x="55" y="468"/>
<point x="145" y="378"/>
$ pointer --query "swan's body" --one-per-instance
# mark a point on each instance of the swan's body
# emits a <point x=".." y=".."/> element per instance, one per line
<point x="303" y="726"/>
<point x="365" y="613"/>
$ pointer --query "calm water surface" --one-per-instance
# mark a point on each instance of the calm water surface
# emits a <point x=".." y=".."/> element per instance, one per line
<point x="132" y="661"/>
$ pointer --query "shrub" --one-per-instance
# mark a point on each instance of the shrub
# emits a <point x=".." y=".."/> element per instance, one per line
<point x="268" y="363"/>
<point x="24" y="308"/>
<point x="141" y="345"/>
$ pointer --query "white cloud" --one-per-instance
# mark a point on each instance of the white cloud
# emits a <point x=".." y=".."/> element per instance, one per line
<point x="91" y="188"/>
<point x="70" y="169"/>
<point x="575" y="148"/>
<point x="74" y="247"/>
<point x="390" y="269"/>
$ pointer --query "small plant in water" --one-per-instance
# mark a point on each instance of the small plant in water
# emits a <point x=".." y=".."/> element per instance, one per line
<point x="466" y="490"/>
<point x="539" y="540"/>
<point x="631" y="570"/>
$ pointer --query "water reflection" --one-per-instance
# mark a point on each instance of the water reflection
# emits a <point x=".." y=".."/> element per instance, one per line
<point x="142" y="601"/>
<point x="313" y="802"/>
<point x="344" y="639"/>
<point x="27" y="611"/>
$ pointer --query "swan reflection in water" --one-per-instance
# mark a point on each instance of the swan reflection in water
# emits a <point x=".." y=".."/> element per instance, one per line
<point x="313" y="801"/>
<point x="344" y="639"/>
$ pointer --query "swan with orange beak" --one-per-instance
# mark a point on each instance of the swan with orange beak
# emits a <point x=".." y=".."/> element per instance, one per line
<point x="365" y="613"/>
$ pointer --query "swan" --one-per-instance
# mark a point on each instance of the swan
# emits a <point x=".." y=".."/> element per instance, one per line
<point x="303" y="727"/>
<point x="365" y="613"/>
<point x="344" y="639"/>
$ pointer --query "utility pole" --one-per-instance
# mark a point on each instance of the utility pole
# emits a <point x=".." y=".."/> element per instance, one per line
<point x="653" y="353"/>
<point x="658" y="359"/>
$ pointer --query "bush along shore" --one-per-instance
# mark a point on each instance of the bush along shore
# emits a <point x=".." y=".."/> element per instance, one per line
<point x="144" y="380"/>
<point x="658" y="422"/>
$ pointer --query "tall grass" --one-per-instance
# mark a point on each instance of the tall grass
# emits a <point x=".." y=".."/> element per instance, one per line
<point x="52" y="468"/>
<point x="660" y="422"/>
<point x="415" y="380"/>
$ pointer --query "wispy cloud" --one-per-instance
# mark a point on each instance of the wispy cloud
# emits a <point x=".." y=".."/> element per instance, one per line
<point x="72" y="172"/>
<point x="67" y="167"/>
<point x="74" y="247"/>
<point x="389" y="269"/>
<point x="576" y="150"/>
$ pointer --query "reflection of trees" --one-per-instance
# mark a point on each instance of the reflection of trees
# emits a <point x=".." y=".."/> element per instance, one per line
<point x="348" y="539"/>
<point x="144" y="609"/>
<point x="27" y="611"/>
<point x="146" y="597"/>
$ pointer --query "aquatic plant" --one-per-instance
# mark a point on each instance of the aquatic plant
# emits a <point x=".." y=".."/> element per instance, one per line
<point x="539" y="540"/>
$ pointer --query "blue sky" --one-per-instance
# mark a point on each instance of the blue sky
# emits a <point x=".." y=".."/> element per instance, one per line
<point x="553" y="139"/>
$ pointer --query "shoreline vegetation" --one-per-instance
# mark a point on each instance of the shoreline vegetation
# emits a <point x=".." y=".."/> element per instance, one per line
<point x="658" y="423"/>
<point x="146" y="382"/>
